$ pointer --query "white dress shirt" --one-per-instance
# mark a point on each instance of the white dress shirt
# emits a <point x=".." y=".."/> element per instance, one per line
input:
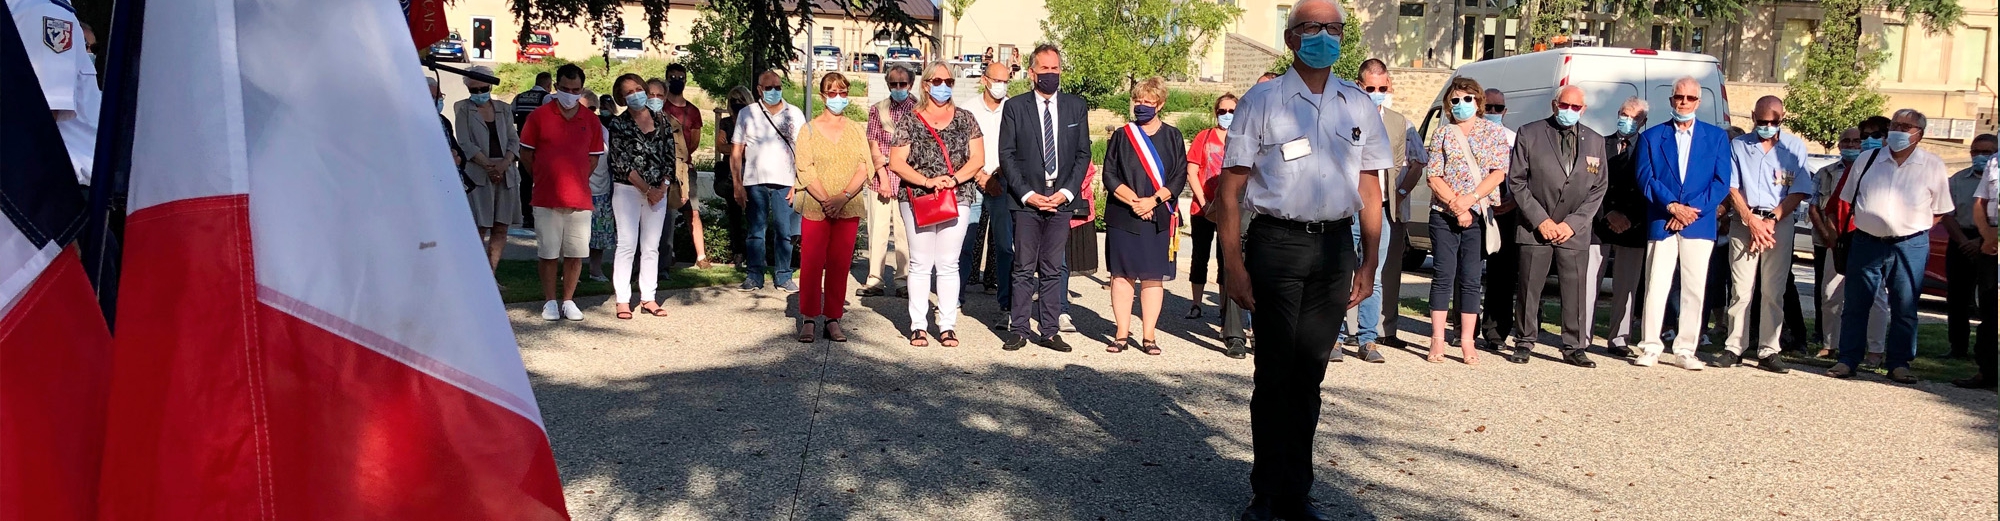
<point x="1892" y="200"/>
<point x="1330" y="137"/>
<point x="1683" y="141"/>
<point x="1989" y="189"/>
<point x="989" y="126"/>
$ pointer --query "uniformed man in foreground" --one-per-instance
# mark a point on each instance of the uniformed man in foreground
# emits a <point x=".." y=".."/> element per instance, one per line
<point x="1300" y="146"/>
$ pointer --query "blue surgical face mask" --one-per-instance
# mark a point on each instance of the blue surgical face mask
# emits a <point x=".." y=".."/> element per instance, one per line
<point x="1683" y="118"/>
<point x="656" y="104"/>
<point x="1627" y="126"/>
<point x="1143" y="114"/>
<point x="774" y="97"/>
<point x="940" y="93"/>
<point x="836" y="105"/>
<point x="1461" y="111"/>
<point x="1871" y="143"/>
<point x="1980" y="160"/>
<point x="1848" y="154"/>
<point x="636" y="100"/>
<point x="1224" y="120"/>
<point x="1766" y="131"/>
<point x="1898" y="141"/>
<point x="1380" y="98"/>
<point x="1497" y="119"/>
<point x="481" y="98"/>
<point x="899" y="94"/>
<point x="1319" y="50"/>
<point x="1567" y="118"/>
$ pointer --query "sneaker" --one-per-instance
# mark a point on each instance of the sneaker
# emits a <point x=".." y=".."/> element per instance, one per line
<point x="1646" y="360"/>
<point x="1236" y="348"/>
<point x="1902" y="375"/>
<point x="1725" y="359"/>
<point x="751" y="285"/>
<point x="789" y="286"/>
<point x="1372" y="355"/>
<point x="1063" y="324"/>
<point x="600" y="277"/>
<point x="1690" y="362"/>
<point x="570" y="311"/>
<point x="1773" y="364"/>
<point x="551" y="310"/>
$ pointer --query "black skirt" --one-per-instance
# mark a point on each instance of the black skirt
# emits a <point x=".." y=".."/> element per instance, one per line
<point x="1083" y="249"/>
<point x="1140" y="255"/>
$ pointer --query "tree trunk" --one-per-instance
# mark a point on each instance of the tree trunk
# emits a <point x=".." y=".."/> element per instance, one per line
<point x="1531" y="13"/>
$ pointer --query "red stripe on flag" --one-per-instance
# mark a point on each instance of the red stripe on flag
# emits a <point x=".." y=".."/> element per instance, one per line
<point x="235" y="410"/>
<point x="55" y="362"/>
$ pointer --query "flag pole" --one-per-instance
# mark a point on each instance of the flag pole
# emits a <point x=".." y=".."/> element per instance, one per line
<point x="104" y="228"/>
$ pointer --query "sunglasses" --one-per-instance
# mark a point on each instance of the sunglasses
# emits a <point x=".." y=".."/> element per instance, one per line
<point x="1373" y="89"/>
<point x="772" y="87"/>
<point x="941" y="81"/>
<point x="481" y="90"/>
<point x="1569" y="106"/>
<point x="1687" y="98"/>
<point x="1496" y="109"/>
<point x="1879" y="134"/>
<point x="1768" y="122"/>
<point x="1463" y="99"/>
<point x="899" y="85"/>
<point x="1224" y="112"/>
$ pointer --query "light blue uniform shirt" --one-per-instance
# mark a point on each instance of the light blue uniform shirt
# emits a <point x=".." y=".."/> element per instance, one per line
<point x="1765" y="178"/>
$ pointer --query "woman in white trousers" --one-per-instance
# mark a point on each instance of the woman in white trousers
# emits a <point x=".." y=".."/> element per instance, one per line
<point x="642" y="155"/>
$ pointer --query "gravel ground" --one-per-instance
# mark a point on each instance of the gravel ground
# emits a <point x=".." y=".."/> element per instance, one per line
<point x="715" y="412"/>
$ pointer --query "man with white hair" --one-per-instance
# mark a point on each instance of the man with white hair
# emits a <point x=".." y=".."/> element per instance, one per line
<point x="1899" y="193"/>
<point x="1558" y="179"/>
<point x="1620" y="234"/>
<point x="1683" y="167"/>
<point x="1296" y="270"/>
<point x="1769" y="181"/>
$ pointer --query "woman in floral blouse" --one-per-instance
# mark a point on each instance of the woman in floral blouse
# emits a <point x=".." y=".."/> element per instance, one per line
<point x="642" y="156"/>
<point x="1464" y="184"/>
<point x="833" y="163"/>
<point x="932" y="152"/>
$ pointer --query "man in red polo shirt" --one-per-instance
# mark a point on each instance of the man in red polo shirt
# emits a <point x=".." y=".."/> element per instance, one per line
<point x="563" y="143"/>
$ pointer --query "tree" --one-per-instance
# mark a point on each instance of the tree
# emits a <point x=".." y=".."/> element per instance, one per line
<point x="1109" y="45"/>
<point x="714" y="62"/>
<point x="1352" y="53"/>
<point x="956" y="8"/>
<point x="1831" y="92"/>
<point x="1545" y="17"/>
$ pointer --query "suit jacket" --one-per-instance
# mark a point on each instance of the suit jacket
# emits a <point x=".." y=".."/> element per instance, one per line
<point x="1398" y="127"/>
<point x="1548" y="188"/>
<point x="1021" y="149"/>
<point x="1707" y="182"/>
<point x="1623" y="195"/>
<point x="473" y="139"/>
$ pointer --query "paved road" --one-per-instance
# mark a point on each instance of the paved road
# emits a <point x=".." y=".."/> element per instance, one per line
<point x="715" y="413"/>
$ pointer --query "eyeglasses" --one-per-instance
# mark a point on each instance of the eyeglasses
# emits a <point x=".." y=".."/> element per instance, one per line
<point x="834" y="93"/>
<point x="1495" y="108"/>
<point x="1768" y="122"/>
<point x="1335" y="29"/>
<point x="1569" y="106"/>
<point x="481" y="90"/>
<point x="1463" y="99"/>
<point x="1371" y="89"/>
<point x="996" y="81"/>
<point x="1224" y="112"/>
<point x="1879" y="134"/>
<point x="1904" y="127"/>
<point x="1686" y="98"/>
<point x="941" y="81"/>
<point x="899" y="85"/>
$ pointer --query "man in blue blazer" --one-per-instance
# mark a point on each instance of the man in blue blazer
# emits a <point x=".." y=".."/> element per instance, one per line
<point x="1683" y="167"/>
<point x="1044" y="151"/>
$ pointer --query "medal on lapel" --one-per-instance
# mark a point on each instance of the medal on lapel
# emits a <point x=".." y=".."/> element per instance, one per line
<point x="1590" y="165"/>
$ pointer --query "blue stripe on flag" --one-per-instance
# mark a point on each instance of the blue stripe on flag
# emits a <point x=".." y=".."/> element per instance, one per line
<point x="38" y="189"/>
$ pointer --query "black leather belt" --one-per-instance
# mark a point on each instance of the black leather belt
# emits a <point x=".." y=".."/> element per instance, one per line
<point x="1765" y="213"/>
<point x="1894" y="239"/>
<point x="1302" y="226"/>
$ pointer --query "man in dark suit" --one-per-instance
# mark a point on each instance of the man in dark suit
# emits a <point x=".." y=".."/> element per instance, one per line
<point x="1620" y="235"/>
<point x="1558" y="179"/>
<point x="1683" y="168"/>
<point x="1044" y="151"/>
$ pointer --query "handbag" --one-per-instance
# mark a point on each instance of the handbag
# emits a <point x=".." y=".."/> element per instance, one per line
<point x="1845" y="214"/>
<point x="1490" y="226"/>
<point x="938" y="205"/>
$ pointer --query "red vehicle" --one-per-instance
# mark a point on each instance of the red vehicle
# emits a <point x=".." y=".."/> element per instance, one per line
<point x="1934" y="283"/>
<point x="537" y="46"/>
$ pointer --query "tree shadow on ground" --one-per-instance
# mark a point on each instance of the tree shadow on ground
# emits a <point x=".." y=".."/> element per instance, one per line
<point x="855" y="431"/>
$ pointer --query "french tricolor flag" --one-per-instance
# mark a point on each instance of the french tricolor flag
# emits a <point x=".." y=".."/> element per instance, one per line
<point x="307" y="329"/>
<point x="55" y="351"/>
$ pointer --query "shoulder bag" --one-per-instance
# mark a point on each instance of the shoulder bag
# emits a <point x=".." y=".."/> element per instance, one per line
<point x="1459" y="146"/>
<point x="938" y="205"/>
<point x="1845" y="214"/>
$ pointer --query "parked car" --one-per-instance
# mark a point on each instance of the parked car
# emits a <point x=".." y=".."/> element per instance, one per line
<point x="537" y="46"/>
<point x="1608" y="75"/>
<point x="680" y="51"/>
<point x="448" y="50"/>
<point x="868" y="62"/>
<point x="970" y="65"/>
<point x="627" y="48"/>
<point x="826" y="58"/>
<point x="906" y="56"/>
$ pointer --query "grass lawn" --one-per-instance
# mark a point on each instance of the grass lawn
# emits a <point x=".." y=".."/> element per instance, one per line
<point x="1933" y="342"/>
<point x="524" y="285"/>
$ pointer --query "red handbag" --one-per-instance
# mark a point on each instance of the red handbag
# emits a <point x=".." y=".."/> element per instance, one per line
<point x="939" y="205"/>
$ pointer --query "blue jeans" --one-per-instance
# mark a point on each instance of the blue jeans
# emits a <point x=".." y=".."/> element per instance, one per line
<point x="1370" y="310"/>
<point x="768" y="212"/>
<point x="1873" y="263"/>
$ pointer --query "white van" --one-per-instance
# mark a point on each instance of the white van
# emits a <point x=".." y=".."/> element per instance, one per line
<point x="1608" y="75"/>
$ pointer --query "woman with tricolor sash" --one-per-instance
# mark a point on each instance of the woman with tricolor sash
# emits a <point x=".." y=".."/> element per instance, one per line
<point x="1145" y="165"/>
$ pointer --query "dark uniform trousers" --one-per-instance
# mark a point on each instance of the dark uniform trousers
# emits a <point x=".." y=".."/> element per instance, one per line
<point x="1301" y="279"/>
<point x="1570" y="275"/>
<point x="1503" y="272"/>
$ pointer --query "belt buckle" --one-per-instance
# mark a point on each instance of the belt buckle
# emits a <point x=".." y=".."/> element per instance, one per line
<point x="1316" y="227"/>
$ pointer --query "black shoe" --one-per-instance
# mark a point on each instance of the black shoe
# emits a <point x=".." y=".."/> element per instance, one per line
<point x="1054" y="343"/>
<point x="1303" y="510"/>
<point x="903" y="292"/>
<point x="1520" y="355"/>
<point x="1577" y="357"/>
<point x="1725" y="359"/>
<point x="1773" y="364"/>
<point x="1259" y="510"/>
<point x="1392" y="342"/>
<point x="870" y="291"/>
<point x="1975" y="382"/>
<point x="1012" y="342"/>
<point x="1236" y="348"/>
<point x="1620" y="351"/>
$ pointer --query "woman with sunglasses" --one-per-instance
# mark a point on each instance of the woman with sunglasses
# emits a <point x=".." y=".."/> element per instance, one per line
<point x="1465" y="182"/>
<point x="1145" y="165"/>
<point x="833" y="165"/>
<point x="933" y="152"/>
<point x="490" y="141"/>
<point x="1205" y="165"/>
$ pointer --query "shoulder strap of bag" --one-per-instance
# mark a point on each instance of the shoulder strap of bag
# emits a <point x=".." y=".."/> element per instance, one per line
<point x="1849" y="216"/>
<point x="942" y="151"/>
<point x="782" y="136"/>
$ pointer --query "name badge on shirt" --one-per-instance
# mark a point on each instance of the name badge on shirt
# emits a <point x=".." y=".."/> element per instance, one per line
<point x="1296" y="149"/>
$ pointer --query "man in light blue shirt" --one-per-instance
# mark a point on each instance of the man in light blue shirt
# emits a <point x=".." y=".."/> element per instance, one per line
<point x="1767" y="182"/>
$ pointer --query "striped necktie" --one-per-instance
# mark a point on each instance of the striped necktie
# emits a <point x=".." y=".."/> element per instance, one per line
<point x="1048" y="138"/>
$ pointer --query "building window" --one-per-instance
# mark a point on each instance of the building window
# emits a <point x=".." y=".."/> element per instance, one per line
<point x="1698" y="39"/>
<point x="1409" y="34"/>
<point x="1659" y="31"/>
<point x="1892" y="53"/>
<point x="826" y="35"/>
<point x="1968" y="56"/>
<point x="1471" y="35"/>
<point x="1793" y="42"/>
